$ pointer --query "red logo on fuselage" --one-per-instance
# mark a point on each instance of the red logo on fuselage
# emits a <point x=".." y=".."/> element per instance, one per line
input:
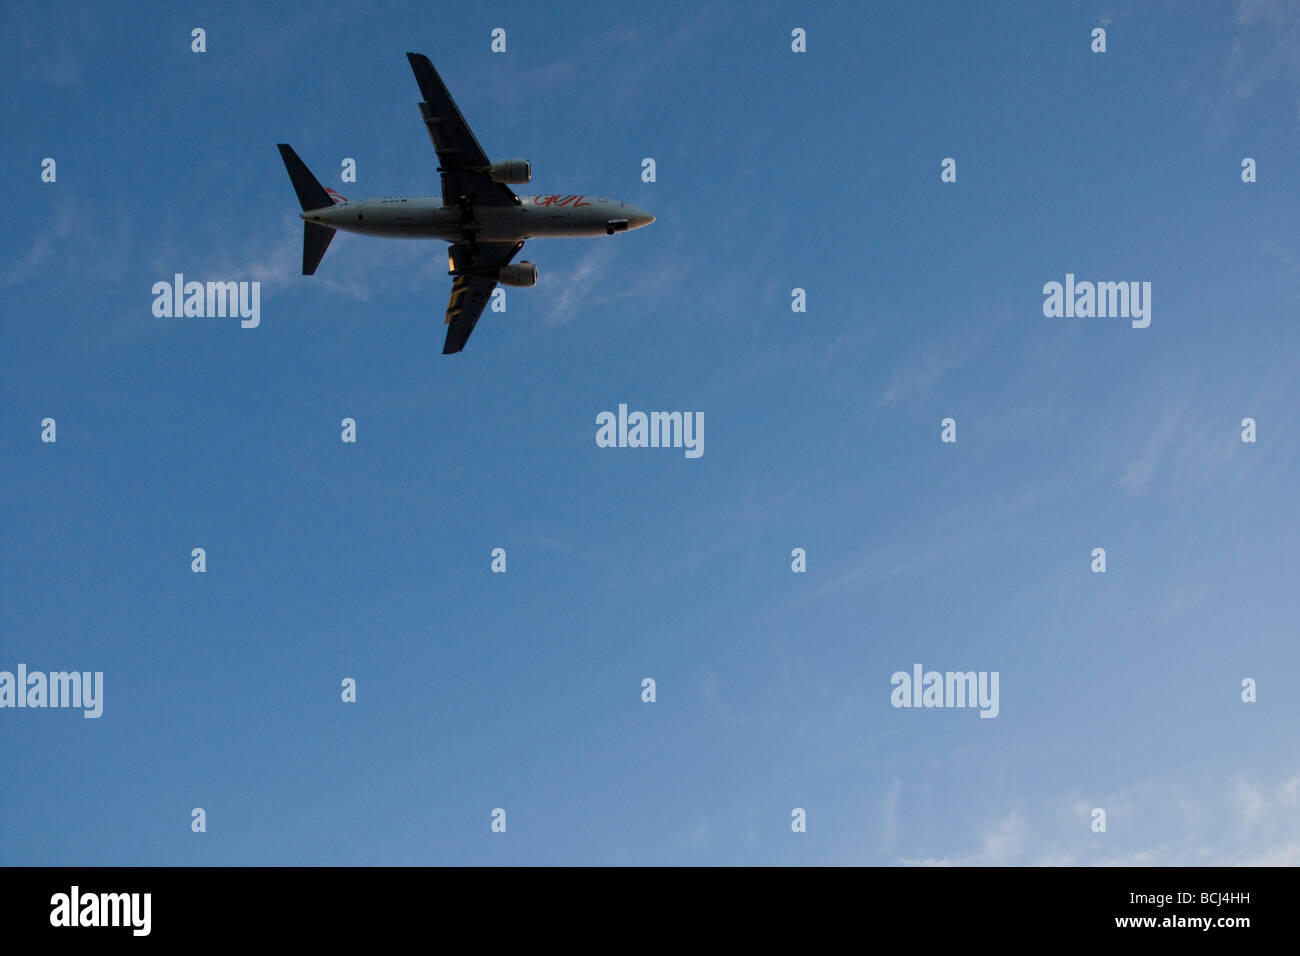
<point x="576" y="201"/>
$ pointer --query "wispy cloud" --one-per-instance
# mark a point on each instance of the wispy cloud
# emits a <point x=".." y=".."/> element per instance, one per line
<point x="42" y="247"/>
<point x="49" y="59"/>
<point x="1267" y="47"/>
<point x="64" y="246"/>
<point x="1265" y="52"/>
<point x="1244" y="823"/>
<point x="924" y="366"/>
<point x="1002" y="844"/>
<point x="699" y="837"/>
<point x="640" y="56"/>
<point x="889" y="832"/>
<point x="920" y="371"/>
<point x="947" y="537"/>
<point x="1190" y="445"/>
<point x="577" y="284"/>
<point x="277" y="262"/>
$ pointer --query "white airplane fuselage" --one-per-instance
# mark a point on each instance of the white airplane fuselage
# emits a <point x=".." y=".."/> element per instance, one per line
<point x="425" y="217"/>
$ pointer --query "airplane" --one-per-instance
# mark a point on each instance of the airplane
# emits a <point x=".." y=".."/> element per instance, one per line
<point x="478" y="213"/>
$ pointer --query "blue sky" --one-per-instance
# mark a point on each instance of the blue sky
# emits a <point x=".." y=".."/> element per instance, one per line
<point x="522" y="690"/>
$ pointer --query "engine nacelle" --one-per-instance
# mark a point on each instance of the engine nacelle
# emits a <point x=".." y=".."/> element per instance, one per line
<point x="511" y="171"/>
<point x="521" y="273"/>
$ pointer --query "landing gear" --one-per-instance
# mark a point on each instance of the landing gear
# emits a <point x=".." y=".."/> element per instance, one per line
<point x="469" y="228"/>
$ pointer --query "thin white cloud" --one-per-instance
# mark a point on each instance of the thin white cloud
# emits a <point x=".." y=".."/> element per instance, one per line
<point x="700" y="836"/>
<point x="1244" y="823"/>
<point x="889" y="833"/>
<point x="1002" y="844"/>
<point x="64" y="246"/>
<point x="1267" y="47"/>
<point x="48" y="59"/>
<point x="576" y="285"/>
<point x="968" y="528"/>
<point x="924" y="367"/>
<point x="1193" y="443"/>
<point x="917" y="373"/>
<point x="277" y="262"/>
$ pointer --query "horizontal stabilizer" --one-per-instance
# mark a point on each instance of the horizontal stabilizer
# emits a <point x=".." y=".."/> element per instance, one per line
<point x="315" y="240"/>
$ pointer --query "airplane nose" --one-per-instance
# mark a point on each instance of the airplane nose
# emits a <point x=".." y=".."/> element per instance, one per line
<point x="640" y="218"/>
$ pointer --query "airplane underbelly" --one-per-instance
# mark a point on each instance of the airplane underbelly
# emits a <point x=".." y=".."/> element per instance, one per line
<point x="404" y="224"/>
<point x="558" y="224"/>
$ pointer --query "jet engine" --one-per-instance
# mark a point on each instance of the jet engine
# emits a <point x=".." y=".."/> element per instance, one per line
<point x="511" y="171"/>
<point x="522" y="273"/>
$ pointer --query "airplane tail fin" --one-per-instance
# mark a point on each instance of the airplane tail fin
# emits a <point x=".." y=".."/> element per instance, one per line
<point x="315" y="240"/>
<point x="315" y="237"/>
<point x="310" y="192"/>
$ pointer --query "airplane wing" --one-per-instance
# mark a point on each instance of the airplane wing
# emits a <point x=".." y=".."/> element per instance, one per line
<point x="470" y="292"/>
<point x="463" y="163"/>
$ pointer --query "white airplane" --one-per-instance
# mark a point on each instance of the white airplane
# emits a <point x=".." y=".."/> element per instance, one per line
<point x="482" y="218"/>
